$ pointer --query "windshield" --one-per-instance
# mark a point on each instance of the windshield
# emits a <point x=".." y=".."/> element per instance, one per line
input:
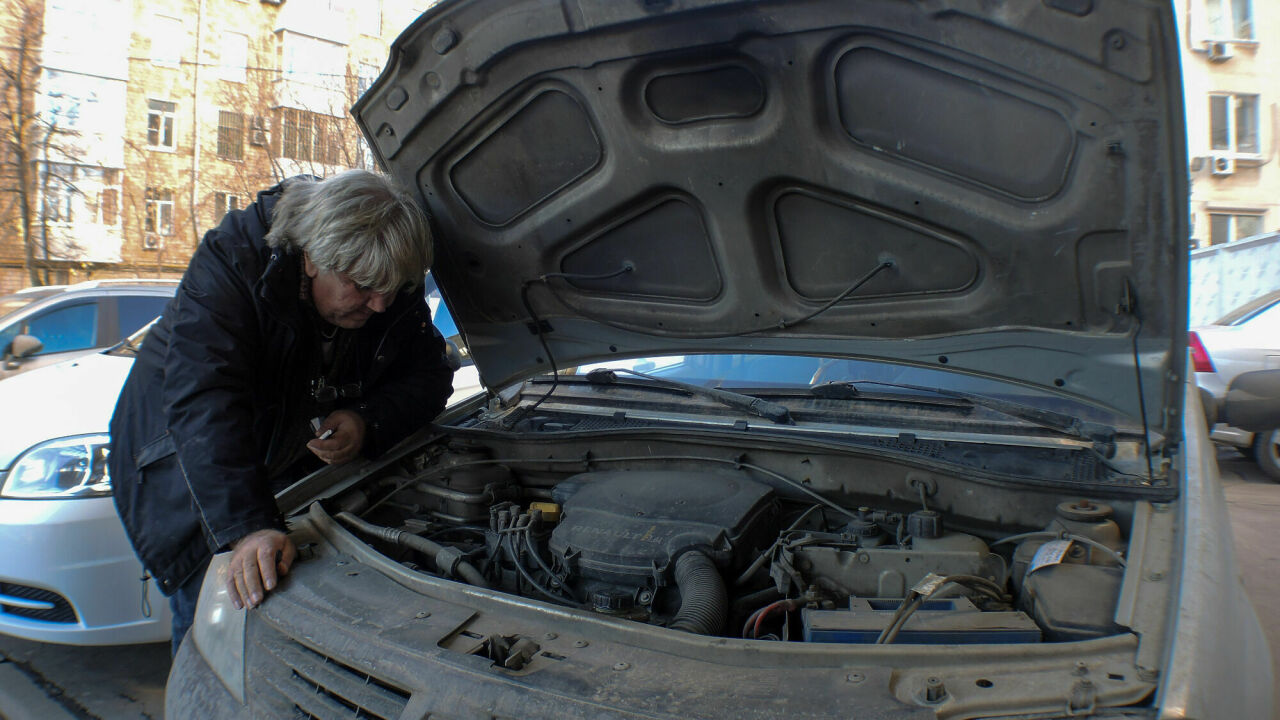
<point x="762" y="372"/>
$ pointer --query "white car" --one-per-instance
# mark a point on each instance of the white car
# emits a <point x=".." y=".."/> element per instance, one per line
<point x="1244" y="340"/>
<point x="68" y="574"/>
<point x="43" y="326"/>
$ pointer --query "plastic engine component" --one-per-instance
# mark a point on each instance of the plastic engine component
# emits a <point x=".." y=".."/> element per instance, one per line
<point x="627" y="527"/>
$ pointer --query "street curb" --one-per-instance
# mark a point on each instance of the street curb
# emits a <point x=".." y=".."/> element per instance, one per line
<point x="20" y="699"/>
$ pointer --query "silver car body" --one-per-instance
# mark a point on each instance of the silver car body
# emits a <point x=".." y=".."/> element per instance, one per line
<point x="1245" y="340"/>
<point x="68" y="573"/>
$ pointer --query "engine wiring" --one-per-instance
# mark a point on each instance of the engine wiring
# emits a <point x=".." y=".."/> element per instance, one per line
<point x="936" y="584"/>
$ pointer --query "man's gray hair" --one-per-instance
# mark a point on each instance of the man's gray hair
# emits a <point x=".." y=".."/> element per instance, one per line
<point x="357" y="223"/>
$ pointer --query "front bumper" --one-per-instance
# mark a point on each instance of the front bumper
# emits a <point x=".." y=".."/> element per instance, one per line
<point x="68" y="575"/>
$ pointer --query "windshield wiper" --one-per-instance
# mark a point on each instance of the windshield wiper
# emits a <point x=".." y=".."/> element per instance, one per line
<point x="754" y="405"/>
<point x="1050" y="419"/>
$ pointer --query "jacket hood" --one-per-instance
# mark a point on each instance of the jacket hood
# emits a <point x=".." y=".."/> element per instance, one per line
<point x="993" y="188"/>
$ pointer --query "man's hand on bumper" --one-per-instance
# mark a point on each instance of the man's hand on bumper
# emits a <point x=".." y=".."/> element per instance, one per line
<point x="257" y="561"/>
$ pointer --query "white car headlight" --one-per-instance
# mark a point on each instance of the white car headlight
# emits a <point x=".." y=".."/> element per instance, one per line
<point x="218" y="630"/>
<point x="70" y="467"/>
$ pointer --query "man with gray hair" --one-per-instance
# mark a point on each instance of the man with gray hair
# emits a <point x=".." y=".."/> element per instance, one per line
<point x="298" y="337"/>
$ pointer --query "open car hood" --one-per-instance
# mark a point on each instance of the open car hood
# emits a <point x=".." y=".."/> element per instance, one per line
<point x="637" y="177"/>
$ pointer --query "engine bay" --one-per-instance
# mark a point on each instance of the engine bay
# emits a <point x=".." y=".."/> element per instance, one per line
<point x="786" y="544"/>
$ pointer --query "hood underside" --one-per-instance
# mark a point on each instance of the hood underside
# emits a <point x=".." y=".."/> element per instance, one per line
<point x="997" y="187"/>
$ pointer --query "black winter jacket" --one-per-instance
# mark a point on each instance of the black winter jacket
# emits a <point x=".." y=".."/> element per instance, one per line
<point x="201" y="412"/>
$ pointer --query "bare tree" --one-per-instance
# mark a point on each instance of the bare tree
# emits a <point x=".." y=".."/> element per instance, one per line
<point x="32" y="141"/>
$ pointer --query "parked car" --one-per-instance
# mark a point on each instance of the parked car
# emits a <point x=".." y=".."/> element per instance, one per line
<point x="44" y="326"/>
<point x="1244" y="340"/>
<point x="69" y="574"/>
<point x="837" y="367"/>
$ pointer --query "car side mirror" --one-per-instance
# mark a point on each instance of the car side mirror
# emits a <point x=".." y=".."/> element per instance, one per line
<point x="24" y="345"/>
<point x="452" y="355"/>
<point x="1253" y="401"/>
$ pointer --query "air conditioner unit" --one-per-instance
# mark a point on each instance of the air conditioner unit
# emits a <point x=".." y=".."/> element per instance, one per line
<point x="1219" y="51"/>
<point x="152" y="242"/>
<point x="258" y="137"/>
<point x="1222" y="165"/>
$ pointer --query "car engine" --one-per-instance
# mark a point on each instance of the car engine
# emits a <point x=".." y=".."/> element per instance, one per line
<point x="719" y="546"/>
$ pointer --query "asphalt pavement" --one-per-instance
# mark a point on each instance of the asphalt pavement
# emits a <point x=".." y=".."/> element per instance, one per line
<point x="57" y="682"/>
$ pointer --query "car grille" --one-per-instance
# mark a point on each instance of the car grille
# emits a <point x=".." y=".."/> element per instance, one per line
<point x="305" y="684"/>
<point x="11" y="595"/>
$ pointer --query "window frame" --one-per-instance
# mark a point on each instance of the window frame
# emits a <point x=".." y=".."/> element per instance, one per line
<point x="223" y="203"/>
<point x="231" y="138"/>
<point x="1232" y="102"/>
<point x="1232" y="218"/>
<point x="226" y="71"/>
<point x="310" y="137"/>
<point x="1233" y="35"/>
<point x="165" y="34"/>
<point x="156" y="200"/>
<point x="165" y="113"/>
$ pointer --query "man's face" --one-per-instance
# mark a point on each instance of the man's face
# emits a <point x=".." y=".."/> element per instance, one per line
<point x="340" y="301"/>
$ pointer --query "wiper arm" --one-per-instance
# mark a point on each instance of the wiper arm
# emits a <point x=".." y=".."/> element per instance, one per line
<point x="754" y="405"/>
<point x="1053" y="420"/>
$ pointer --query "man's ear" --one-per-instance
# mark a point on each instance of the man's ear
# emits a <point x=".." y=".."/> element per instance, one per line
<point x="309" y="267"/>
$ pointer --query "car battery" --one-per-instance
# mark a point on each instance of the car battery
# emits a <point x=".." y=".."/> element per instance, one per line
<point x="941" y="621"/>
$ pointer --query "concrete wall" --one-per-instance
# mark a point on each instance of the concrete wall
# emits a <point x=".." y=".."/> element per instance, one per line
<point x="1224" y="277"/>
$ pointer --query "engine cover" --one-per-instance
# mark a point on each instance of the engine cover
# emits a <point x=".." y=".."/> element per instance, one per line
<point x="626" y="527"/>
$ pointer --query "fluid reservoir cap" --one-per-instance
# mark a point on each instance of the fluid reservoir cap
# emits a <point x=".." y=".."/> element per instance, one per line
<point x="1084" y="511"/>
<point x="550" y="511"/>
<point x="611" y="600"/>
<point x="926" y="524"/>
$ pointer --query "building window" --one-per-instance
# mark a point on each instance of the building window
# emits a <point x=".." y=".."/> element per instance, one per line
<point x="310" y="137"/>
<point x="1233" y="123"/>
<point x="312" y="61"/>
<point x="160" y="121"/>
<point x="224" y="203"/>
<point x="230" y="135"/>
<point x="159" y="211"/>
<point x="366" y="73"/>
<point x="1230" y="227"/>
<point x="166" y="40"/>
<point x="234" y="57"/>
<point x="59" y="192"/>
<point x="109" y="202"/>
<point x="1230" y="19"/>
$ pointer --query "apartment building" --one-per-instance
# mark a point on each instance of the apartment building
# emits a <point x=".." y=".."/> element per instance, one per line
<point x="1230" y="65"/>
<point x="147" y="120"/>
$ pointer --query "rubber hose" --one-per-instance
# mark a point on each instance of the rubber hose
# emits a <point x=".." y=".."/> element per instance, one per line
<point x="437" y="552"/>
<point x="704" y="602"/>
